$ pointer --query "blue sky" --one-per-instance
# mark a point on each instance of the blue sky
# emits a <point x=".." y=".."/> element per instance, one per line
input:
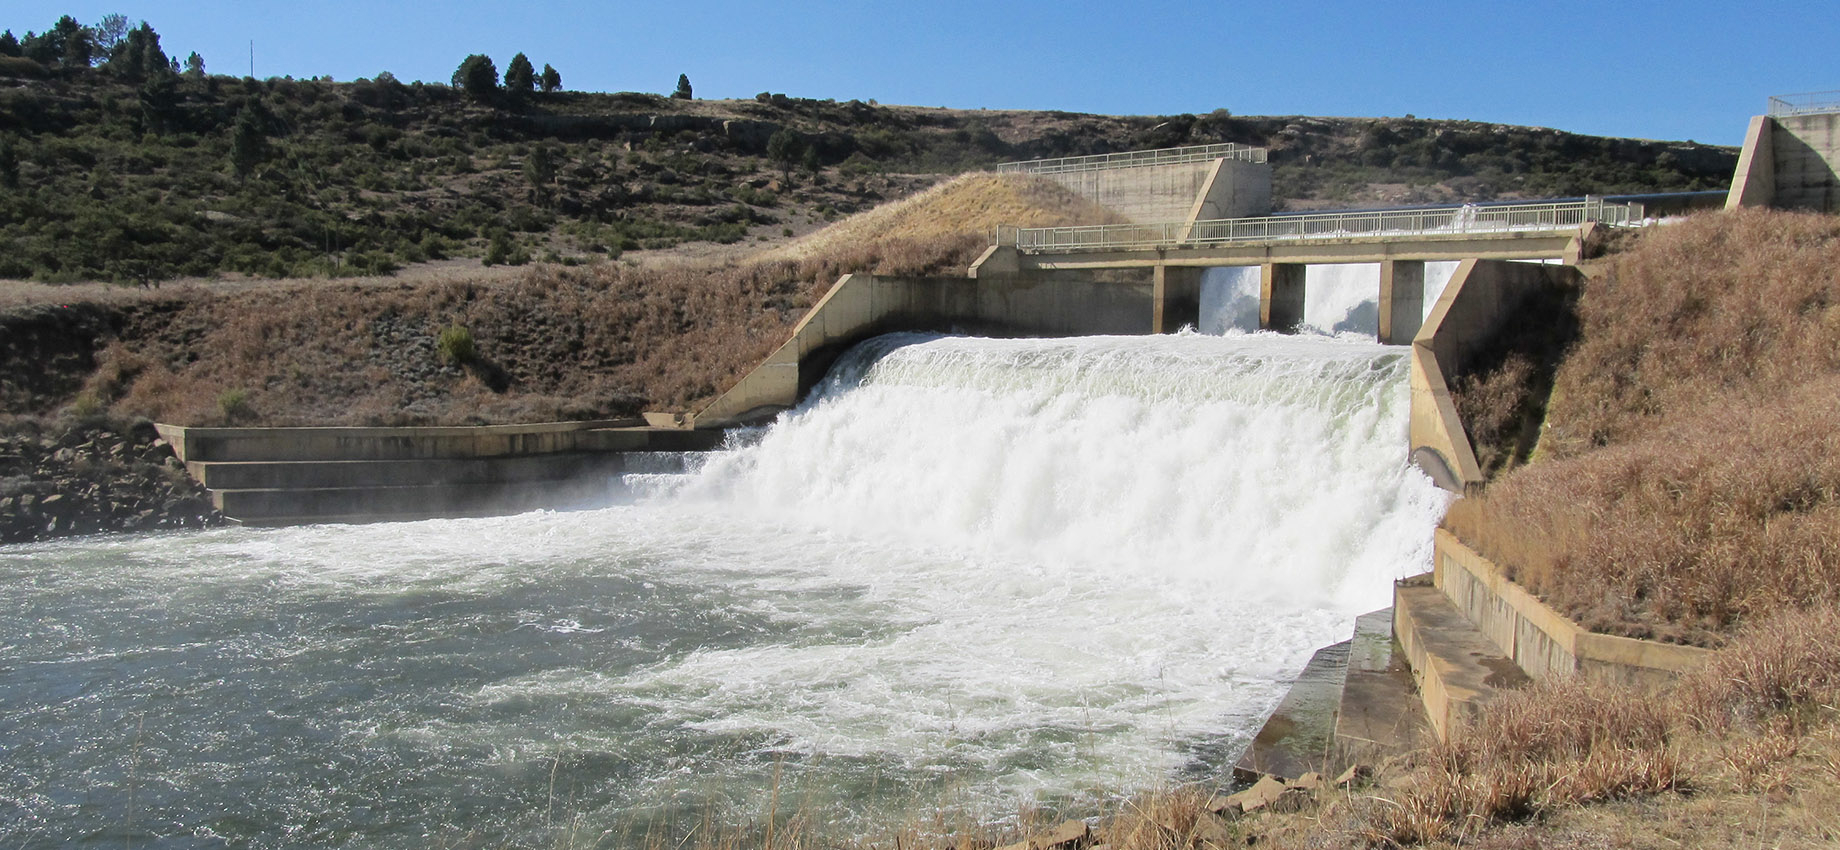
<point x="1685" y="69"/>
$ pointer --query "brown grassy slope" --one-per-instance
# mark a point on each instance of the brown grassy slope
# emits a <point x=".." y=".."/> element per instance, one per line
<point x="1754" y="732"/>
<point x="1690" y="477"/>
<point x="969" y="204"/>
<point x="554" y="343"/>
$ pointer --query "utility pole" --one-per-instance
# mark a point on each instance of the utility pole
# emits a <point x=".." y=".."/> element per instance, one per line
<point x="252" y="58"/>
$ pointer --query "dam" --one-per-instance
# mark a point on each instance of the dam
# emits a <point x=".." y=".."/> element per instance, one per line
<point x="918" y="567"/>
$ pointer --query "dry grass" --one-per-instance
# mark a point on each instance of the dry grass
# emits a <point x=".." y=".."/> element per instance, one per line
<point x="1687" y="475"/>
<point x="552" y="342"/>
<point x="968" y="204"/>
<point x="1551" y="745"/>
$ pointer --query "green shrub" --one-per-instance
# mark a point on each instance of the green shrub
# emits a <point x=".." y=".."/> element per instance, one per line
<point x="455" y="346"/>
<point x="234" y="405"/>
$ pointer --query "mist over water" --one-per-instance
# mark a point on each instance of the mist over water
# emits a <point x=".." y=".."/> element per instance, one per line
<point x="967" y="572"/>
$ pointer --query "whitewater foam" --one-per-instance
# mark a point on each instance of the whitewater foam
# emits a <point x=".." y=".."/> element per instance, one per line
<point x="1036" y="568"/>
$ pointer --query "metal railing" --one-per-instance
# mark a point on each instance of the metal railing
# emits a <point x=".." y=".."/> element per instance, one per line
<point x="1134" y="159"/>
<point x="1806" y="103"/>
<point x="1375" y="223"/>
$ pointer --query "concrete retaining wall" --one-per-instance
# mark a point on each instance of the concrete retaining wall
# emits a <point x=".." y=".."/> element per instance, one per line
<point x="862" y="306"/>
<point x="1481" y="296"/>
<point x="1177" y="192"/>
<point x="285" y="476"/>
<point x="1541" y="641"/>
<point x="1789" y="162"/>
<point x="344" y="444"/>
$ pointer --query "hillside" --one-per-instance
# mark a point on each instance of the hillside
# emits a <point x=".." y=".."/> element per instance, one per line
<point x="143" y="177"/>
<point x="551" y="342"/>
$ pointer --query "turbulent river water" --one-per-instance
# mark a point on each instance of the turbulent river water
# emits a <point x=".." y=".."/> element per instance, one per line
<point x="968" y="573"/>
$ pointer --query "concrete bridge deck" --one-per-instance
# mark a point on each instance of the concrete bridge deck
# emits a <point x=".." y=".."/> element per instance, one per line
<point x="1502" y="232"/>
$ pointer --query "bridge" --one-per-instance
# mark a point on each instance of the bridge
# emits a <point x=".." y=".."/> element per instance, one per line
<point x="1187" y="210"/>
<point x="1401" y="241"/>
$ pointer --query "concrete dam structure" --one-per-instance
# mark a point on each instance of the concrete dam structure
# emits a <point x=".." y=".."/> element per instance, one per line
<point x="1163" y="507"/>
<point x="1172" y="184"/>
<point x="1791" y="156"/>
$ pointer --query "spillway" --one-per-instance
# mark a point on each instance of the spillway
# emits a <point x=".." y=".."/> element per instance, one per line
<point x="966" y="572"/>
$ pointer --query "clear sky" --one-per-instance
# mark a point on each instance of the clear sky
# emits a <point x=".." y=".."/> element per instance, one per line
<point x="1685" y="69"/>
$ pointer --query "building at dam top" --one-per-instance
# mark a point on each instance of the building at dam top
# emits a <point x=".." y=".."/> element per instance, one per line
<point x="1790" y="154"/>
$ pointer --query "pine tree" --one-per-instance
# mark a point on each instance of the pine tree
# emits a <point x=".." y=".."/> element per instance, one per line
<point x="683" y="87"/>
<point x="785" y="147"/>
<point x="477" y="76"/>
<point x="109" y="32"/>
<point x="77" y="48"/>
<point x="138" y="56"/>
<point x="552" y="79"/>
<point x="9" y="44"/>
<point x="520" y="78"/>
<point x="540" y="170"/>
<point x="194" y="65"/>
<point x="248" y="143"/>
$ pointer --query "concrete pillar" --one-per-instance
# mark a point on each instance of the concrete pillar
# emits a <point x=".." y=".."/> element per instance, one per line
<point x="1280" y="296"/>
<point x="1175" y="298"/>
<point x="1402" y="300"/>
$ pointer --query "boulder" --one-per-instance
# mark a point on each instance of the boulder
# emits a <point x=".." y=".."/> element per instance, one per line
<point x="1070" y="835"/>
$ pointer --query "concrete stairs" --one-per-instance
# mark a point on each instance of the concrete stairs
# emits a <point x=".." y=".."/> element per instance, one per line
<point x="291" y="476"/>
<point x="1458" y="670"/>
<point x="1410" y="675"/>
<point x="1354" y="703"/>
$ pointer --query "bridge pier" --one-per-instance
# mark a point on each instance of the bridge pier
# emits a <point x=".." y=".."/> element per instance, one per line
<point x="1402" y="300"/>
<point x="1175" y="298"/>
<point x="1281" y="296"/>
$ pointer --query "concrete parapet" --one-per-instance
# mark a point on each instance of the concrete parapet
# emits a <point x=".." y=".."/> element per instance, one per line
<point x="1543" y="642"/>
<point x="861" y="306"/>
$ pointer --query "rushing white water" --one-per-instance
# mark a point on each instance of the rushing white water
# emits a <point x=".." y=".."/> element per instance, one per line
<point x="970" y="570"/>
<point x="1342" y="298"/>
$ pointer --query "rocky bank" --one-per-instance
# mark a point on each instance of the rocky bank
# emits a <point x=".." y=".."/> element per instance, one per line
<point x="83" y="477"/>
